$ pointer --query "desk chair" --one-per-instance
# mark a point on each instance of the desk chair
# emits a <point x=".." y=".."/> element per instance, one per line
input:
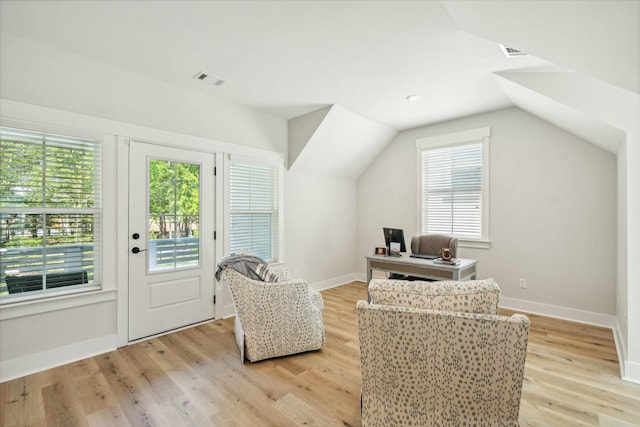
<point x="430" y="244"/>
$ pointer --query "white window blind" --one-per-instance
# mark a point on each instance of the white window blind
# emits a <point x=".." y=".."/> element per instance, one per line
<point x="50" y="216"/>
<point x="254" y="202"/>
<point x="453" y="186"/>
<point x="452" y="190"/>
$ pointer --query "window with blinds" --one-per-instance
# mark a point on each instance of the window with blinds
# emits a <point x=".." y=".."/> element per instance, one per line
<point x="453" y="186"/>
<point x="49" y="213"/>
<point x="254" y="204"/>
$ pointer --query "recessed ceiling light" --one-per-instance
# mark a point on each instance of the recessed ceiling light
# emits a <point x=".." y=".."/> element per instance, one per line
<point x="413" y="97"/>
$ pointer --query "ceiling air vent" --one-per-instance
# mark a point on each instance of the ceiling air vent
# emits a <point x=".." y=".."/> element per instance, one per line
<point x="510" y="52"/>
<point x="209" y="79"/>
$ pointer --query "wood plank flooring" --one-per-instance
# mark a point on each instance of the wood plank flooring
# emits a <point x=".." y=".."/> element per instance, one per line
<point x="194" y="378"/>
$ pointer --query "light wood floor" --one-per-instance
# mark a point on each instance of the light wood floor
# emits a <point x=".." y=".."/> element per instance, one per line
<point x="194" y="377"/>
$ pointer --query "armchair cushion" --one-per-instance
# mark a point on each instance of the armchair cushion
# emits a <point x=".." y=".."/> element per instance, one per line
<point x="265" y="274"/>
<point x="472" y="296"/>
<point x="281" y="270"/>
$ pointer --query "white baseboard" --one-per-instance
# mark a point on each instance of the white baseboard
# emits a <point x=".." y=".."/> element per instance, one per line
<point x="32" y="363"/>
<point x="375" y="274"/>
<point x="621" y="349"/>
<point x="629" y="371"/>
<point x="566" y="313"/>
<point x="227" y="311"/>
<point x="334" y="282"/>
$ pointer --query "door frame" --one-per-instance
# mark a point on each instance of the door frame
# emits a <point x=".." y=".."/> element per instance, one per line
<point x="121" y="211"/>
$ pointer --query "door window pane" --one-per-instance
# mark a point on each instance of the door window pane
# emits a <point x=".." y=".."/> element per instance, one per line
<point x="174" y="215"/>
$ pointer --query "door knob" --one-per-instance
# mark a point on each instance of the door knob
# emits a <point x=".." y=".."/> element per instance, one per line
<point x="136" y="250"/>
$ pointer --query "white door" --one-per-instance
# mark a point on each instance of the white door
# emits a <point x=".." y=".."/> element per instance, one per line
<point x="171" y="246"/>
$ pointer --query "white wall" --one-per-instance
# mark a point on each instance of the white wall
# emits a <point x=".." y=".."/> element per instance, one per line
<point x="319" y="230"/>
<point x="40" y="75"/>
<point x="622" y="309"/>
<point x="592" y="102"/>
<point x="552" y="211"/>
<point x="38" y="341"/>
<point x="630" y="201"/>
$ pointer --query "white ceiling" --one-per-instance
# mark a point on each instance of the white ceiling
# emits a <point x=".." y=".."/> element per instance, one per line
<point x="600" y="39"/>
<point x="289" y="58"/>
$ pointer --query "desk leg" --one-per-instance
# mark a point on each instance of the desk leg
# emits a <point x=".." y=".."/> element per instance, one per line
<point x="369" y="274"/>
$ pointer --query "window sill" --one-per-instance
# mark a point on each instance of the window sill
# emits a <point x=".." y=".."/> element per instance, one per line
<point x="28" y="307"/>
<point x="475" y="244"/>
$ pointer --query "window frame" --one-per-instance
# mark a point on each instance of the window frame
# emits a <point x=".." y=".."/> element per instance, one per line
<point x="97" y="211"/>
<point x="473" y="136"/>
<point x="276" y="235"/>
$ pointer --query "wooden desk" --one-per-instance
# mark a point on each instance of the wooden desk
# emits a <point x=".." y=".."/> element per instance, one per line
<point x="420" y="267"/>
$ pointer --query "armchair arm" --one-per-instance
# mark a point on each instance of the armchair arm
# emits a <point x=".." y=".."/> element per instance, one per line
<point x="316" y="299"/>
<point x="282" y="271"/>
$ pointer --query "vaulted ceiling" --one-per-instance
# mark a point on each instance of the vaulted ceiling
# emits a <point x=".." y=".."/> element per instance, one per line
<point x="292" y="58"/>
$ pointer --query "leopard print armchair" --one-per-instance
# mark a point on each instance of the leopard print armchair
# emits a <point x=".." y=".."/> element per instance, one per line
<point x="436" y="353"/>
<point x="275" y="319"/>
<point x="472" y="296"/>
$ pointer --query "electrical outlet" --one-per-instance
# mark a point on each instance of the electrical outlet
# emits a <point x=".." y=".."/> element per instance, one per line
<point x="523" y="283"/>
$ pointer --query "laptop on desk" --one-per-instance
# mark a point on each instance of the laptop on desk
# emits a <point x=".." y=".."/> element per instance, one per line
<point x="423" y="256"/>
